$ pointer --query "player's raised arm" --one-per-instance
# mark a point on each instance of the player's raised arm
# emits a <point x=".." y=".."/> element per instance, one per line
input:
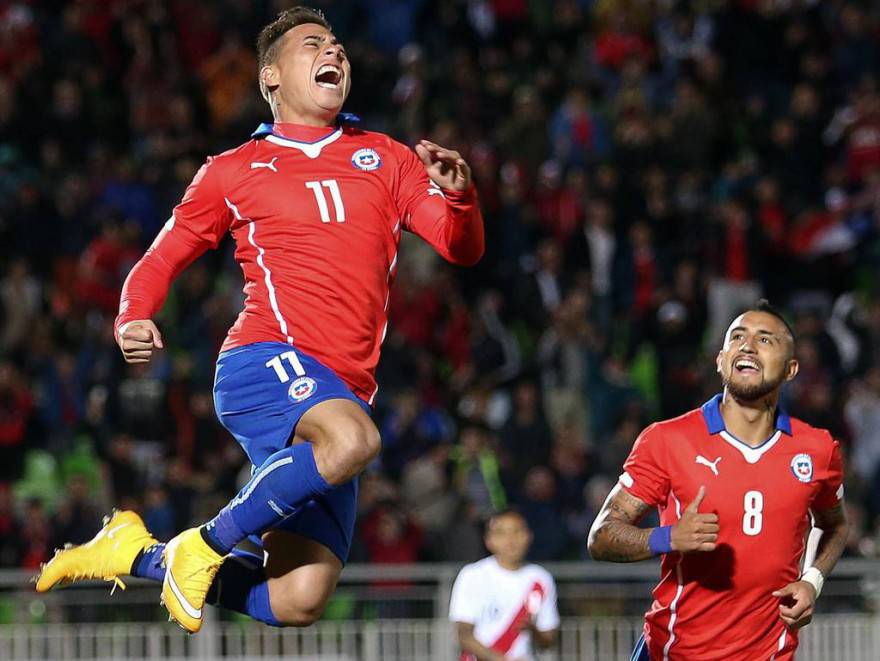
<point x="437" y="201"/>
<point x="198" y="223"/>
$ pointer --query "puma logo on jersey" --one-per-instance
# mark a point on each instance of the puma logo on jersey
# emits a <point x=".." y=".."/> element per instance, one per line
<point x="270" y="164"/>
<point x="713" y="465"/>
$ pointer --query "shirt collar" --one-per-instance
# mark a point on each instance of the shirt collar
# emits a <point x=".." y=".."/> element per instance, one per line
<point x="715" y="423"/>
<point x="302" y="132"/>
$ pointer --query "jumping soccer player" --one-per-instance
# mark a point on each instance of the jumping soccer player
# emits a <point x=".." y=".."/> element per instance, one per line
<point x="316" y="208"/>
<point x="735" y="483"/>
<point x="501" y="605"/>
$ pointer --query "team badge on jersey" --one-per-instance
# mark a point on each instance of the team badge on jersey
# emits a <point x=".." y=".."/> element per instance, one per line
<point x="802" y="467"/>
<point x="301" y="389"/>
<point x="366" y="160"/>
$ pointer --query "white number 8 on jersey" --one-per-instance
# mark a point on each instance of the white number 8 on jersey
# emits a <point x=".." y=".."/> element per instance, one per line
<point x="753" y="519"/>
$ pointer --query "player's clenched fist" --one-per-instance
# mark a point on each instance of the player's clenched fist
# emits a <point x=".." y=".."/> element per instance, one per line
<point x="695" y="531"/>
<point x="138" y="339"/>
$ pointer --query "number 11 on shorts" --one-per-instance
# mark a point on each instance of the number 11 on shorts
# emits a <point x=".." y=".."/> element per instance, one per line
<point x="278" y="366"/>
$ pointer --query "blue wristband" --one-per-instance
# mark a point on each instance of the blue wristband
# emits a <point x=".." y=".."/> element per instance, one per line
<point x="660" y="540"/>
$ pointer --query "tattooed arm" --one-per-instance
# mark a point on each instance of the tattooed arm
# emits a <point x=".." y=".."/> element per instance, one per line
<point x="615" y="537"/>
<point x="835" y="528"/>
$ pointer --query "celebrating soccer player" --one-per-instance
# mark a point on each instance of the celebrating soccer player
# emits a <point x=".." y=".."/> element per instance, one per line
<point x="316" y="208"/>
<point x="735" y="483"/>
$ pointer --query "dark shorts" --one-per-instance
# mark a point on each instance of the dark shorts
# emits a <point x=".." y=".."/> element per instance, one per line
<point x="640" y="653"/>
<point x="261" y="391"/>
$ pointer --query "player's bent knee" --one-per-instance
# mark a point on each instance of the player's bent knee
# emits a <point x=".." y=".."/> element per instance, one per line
<point x="293" y="615"/>
<point x="354" y="446"/>
<point x="301" y="605"/>
<point x="346" y="451"/>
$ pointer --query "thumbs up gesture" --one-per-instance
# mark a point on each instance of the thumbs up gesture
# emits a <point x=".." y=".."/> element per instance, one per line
<point x="695" y="531"/>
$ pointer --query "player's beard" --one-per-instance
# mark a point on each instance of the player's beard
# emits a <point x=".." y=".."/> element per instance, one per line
<point x="751" y="393"/>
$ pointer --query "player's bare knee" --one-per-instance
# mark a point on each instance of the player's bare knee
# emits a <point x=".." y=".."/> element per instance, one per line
<point x="357" y="444"/>
<point x="299" y="607"/>
<point x="293" y="615"/>
<point x="347" y="449"/>
<point x="370" y="443"/>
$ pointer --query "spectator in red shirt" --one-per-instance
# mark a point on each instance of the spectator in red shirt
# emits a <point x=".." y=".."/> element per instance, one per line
<point x="737" y="255"/>
<point x="16" y="411"/>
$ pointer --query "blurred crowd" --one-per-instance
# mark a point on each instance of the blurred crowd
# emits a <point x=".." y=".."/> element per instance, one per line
<point x="646" y="170"/>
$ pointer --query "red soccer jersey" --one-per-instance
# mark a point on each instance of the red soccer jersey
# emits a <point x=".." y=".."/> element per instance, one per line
<point x="718" y="605"/>
<point x="316" y="214"/>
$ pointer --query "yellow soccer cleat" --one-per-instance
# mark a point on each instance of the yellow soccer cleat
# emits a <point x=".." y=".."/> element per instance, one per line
<point x="107" y="556"/>
<point x="190" y="568"/>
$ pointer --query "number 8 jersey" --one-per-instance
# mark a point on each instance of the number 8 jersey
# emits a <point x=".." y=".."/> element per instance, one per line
<point x="316" y="214"/>
<point x="718" y="605"/>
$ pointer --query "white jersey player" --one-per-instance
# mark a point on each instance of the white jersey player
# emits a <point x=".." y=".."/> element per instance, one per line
<point x="500" y="605"/>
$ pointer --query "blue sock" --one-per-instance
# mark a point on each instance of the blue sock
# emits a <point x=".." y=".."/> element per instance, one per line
<point x="148" y="563"/>
<point x="241" y="586"/>
<point x="284" y="481"/>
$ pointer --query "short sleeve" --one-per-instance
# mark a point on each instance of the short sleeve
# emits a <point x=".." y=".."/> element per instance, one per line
<point x="644" y="473"/>
<point x="463" y="606"/>
<point x="547" y="618"/>
<point x="830" y="481"/>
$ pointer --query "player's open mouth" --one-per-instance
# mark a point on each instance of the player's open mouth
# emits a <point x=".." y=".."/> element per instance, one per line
<point x="747" y="366"/>
<point x="329" y="76"/>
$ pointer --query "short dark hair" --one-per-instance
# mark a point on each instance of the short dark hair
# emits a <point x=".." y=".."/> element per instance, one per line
<point x="506" y="511"/>
<point x="288" y="19"/>
<point x="763" y="305"/>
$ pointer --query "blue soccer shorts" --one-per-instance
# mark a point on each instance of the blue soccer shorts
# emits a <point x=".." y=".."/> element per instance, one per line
<point x="261" y="391"/>
<point x="640" y="653"/>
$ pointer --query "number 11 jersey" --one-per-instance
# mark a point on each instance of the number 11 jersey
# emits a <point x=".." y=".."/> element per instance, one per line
<point x="316" y="214"/>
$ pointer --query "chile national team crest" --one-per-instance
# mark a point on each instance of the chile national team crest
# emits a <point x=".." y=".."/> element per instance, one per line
<point x="366" y="160"/>
<point x="301" y="389"/>
<point x="802" y="467"/>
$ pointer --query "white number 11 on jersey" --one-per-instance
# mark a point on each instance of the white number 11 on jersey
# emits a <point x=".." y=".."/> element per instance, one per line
<point x="317" y="187"/>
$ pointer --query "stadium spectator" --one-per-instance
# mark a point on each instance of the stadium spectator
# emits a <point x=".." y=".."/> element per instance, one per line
<point x="541" y="507"/>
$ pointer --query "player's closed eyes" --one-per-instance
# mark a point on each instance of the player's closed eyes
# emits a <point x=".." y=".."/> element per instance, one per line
<point x="314" y="43"/>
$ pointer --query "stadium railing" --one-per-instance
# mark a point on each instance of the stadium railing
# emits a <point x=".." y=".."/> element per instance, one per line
<point x="853" y="637"/>
<point x="391" y="612"/>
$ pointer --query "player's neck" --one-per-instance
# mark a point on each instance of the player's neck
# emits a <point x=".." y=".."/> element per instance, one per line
<point x="751" y="422"/>
<point x="285" y="115"/>
<point x="508" y="564"/>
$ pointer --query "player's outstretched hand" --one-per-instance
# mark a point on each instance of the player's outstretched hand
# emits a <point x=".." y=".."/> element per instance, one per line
<point x="695" y="531"/>
<point x="138" y="339"/>
<point x="796" y="601"/>
<point x="445" y="167"/>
